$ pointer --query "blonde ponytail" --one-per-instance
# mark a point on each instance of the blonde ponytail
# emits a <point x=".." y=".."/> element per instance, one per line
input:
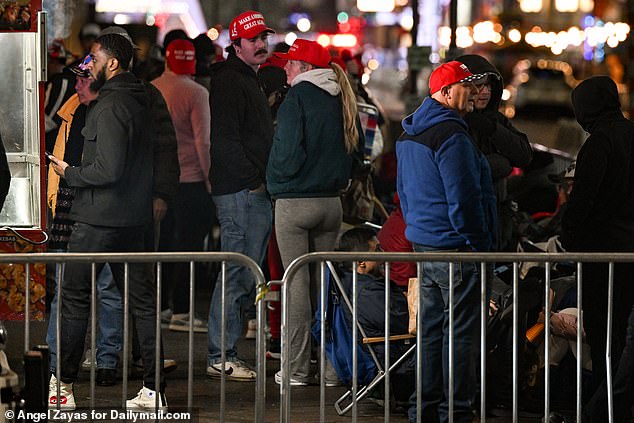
<point x="349" y="107"/>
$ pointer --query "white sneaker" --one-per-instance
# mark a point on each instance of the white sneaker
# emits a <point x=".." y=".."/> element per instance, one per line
<point x="67" y="398"/>
<point x="236" y="370"/>
<point x="146" y="401"/>
<point x="180" y="323"/>
<point x="87" y="363"/>
<point x="252" y="329"/>
<point x="293" y="382"/>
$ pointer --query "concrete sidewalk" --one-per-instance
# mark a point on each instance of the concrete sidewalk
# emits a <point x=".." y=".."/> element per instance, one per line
<point x="240" y="396"/>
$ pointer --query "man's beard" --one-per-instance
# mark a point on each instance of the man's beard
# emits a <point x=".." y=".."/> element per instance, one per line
<point x="100" y="79"/>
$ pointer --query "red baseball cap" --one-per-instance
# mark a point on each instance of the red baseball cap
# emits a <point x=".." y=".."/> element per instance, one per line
<point x="248" y="25"/>
<point x="181" y="57"/>
<point x="307" y="51"/>
<point x="451" y="73"/>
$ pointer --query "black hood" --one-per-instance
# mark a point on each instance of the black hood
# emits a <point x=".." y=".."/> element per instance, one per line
<point x="478" y="64"/>
<point x="594" y="99"/>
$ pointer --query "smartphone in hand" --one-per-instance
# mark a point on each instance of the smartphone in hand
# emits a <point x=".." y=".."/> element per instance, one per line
<point x="48" y="154"/>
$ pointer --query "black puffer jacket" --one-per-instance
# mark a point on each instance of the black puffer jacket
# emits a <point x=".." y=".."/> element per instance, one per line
<point x="600" y="213"/>
<point x="114" y="181"/>
<point x="241" y="129"/>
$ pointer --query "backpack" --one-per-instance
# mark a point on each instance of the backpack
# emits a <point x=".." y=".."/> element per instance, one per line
<point x="339" y="339"/>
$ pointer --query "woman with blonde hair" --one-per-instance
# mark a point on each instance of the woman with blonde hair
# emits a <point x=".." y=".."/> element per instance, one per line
<point x="309" y="165"/>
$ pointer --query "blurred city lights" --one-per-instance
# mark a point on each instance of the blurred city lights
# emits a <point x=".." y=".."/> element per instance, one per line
<point x="343" y="40"/>
<point x="304" y="24"/>
<point x="375" y="5"/>
<point x="515" y="35"/>
<point x="531" y="6"/>
<point x="373" y="64"/>
<point x="290" y="38"/>
<point x="342" y="17"/>
<point x="567" y="5"/>
<point x="122" y="19"/>
<point x="149" y="20"/>
<point x="506" y="94"/>
<point x="322" y="39"/>
<point x="213" y="34"/>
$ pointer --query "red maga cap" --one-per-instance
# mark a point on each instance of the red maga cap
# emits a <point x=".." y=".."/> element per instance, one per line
<point x="181" y="57"/>
<point x="307" y="51"/>
<point x="450" y="73"/>
<point x="248" y="25"/>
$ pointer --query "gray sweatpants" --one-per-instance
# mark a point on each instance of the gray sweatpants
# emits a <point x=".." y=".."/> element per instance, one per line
<point x="304" y="225"/>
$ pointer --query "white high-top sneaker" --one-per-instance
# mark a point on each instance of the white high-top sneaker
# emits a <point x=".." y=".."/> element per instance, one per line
<point x="146" y="401"/>
<point x="67" y="398"/>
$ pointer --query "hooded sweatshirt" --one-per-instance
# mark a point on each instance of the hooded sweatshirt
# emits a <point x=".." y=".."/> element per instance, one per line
<point x="504" y="146"/>
<point x="308" y="157"/>
<point x="444" y="182"/>
<point x="600" y="212"/>
<point x="114" y="182"/>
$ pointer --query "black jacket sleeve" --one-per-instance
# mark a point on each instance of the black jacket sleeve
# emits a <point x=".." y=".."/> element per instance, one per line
<point x="166" y="167"/>
<point x="511" y="143"/>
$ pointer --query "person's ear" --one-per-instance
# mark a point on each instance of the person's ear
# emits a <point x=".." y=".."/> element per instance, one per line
<point x="113" y="64"/>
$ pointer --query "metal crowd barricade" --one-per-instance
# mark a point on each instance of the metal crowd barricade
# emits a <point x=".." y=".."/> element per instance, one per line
<point x="150" y="258"/>
<point x="547" y="259"/>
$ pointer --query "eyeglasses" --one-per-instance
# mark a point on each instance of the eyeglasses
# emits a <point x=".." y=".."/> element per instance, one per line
<point x="482" y="87"/>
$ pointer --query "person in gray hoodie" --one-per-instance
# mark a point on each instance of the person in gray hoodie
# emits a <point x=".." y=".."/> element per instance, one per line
<point x="309" y="165"/>
<point x="112" y="207"/>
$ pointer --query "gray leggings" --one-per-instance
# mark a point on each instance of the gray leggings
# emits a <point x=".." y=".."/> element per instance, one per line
<point x="304" y="225"/>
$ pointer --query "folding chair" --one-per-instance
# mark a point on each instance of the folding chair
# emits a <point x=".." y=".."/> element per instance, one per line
<point x="346" y="401"/>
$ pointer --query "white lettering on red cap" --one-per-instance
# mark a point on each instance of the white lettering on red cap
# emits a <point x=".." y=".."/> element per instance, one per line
<point x="187" y="55"/>
<point x="247" y="19"/>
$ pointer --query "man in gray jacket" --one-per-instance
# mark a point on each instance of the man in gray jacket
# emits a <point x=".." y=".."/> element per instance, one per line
<point x="112" y="207"/>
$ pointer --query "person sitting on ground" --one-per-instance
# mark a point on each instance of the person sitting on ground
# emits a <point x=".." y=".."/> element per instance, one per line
<point x="371" y="307"/>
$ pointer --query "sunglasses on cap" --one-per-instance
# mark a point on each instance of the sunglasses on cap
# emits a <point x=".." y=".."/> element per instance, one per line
<point x="82" y="68"/>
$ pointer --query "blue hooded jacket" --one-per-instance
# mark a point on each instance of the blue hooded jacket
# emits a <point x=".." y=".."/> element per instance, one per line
<point x="444" y="182"/>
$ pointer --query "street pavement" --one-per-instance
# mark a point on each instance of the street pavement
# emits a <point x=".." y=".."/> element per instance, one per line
<point x="240" y="396"/>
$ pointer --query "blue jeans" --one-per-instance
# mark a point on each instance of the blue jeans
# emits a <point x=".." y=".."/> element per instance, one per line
<point x="109" y="323"/>
<point x="245" y="225"/>
<point x="434" y="294"/>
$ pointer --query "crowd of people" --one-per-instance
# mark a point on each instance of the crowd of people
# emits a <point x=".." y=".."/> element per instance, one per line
<point x="264" y="145"/>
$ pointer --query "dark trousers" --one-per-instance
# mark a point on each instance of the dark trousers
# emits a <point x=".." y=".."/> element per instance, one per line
<point x="184" y="229"/>
<point x="595" y="283"/>
<point x="76" y="291"/>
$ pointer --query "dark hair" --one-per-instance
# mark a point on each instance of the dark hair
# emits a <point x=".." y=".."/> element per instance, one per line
<point x="117" y="46"/>
<point x="175" y="34"/>
<point x="204" y="46"/>
<point x="356" y="240"/>
<point x="230" y="49"/>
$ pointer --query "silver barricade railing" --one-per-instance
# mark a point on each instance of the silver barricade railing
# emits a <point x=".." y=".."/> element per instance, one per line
<point x="150" y="258"/>
<point x="547" y="259"/>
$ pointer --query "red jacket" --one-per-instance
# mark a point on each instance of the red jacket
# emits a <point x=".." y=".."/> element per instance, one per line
<point x="392" y="239"/>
